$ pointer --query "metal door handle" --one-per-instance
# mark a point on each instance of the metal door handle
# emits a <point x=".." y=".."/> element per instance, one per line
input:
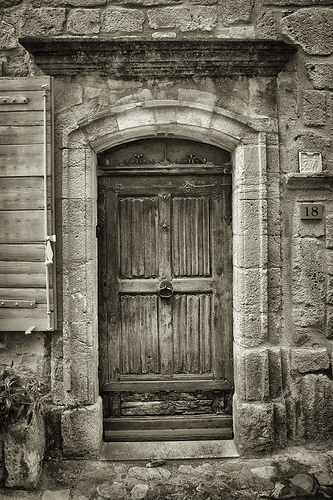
<point x="165" y="290"/>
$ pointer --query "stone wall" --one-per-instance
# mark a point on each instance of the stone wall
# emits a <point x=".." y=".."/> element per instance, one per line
<point x="283" y="307"/>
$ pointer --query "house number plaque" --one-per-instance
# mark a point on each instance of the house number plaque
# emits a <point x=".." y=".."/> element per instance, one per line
<point x="311" y="211"/>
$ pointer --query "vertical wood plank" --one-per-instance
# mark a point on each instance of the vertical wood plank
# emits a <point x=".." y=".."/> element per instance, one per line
<point x="175" y="238"/>
<point x="165" y="305"/>
<point x="103" y="351"/>
<point x="112" y="266"/>
<point x="206" y="236"/>
<point x="217" y="235"/>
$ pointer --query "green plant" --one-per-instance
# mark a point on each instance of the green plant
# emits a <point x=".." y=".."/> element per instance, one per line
<point x="19" y="398"/>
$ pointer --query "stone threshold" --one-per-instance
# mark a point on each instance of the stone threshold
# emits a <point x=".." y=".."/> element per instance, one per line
<point x="177" y="450"/>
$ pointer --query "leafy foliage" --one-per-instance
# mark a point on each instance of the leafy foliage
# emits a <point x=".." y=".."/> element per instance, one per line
<point x="19" y="398"/>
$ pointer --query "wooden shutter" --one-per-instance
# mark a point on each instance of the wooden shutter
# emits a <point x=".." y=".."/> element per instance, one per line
<point x="27" y="264"/>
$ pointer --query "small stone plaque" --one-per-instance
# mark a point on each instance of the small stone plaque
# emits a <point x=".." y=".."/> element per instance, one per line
<point x="310" y="161"/>
<point x="311" y="211"/>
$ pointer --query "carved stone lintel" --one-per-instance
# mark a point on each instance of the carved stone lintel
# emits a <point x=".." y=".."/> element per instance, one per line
<point x="138" y="58"/>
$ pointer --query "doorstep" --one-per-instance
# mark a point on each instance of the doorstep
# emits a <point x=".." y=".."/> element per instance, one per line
<point x="151" y="450"/>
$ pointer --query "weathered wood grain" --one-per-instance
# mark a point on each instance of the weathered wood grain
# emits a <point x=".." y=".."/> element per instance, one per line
<point x="22" y="193"/>
<point x="207" y="421"/>
<point x="28" y="252"/>
<point x="27" y="160"/>
<point x="22" y="226"/>
<point x="187" y="384"/>
<point x="167" y="435"/>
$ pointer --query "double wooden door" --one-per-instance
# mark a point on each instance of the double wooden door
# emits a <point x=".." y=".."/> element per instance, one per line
<point x="165" y="322"/>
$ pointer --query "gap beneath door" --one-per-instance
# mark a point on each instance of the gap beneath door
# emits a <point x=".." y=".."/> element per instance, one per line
<point x="168" y="450"/>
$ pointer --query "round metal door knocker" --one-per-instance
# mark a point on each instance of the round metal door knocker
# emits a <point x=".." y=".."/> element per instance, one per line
<point x="166" y="290"/>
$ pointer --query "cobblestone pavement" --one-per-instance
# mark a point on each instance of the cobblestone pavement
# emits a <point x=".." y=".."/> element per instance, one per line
<point x="296" y="473"/>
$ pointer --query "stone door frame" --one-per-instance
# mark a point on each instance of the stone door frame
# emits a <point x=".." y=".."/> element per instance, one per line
<point x="253" y="144"/>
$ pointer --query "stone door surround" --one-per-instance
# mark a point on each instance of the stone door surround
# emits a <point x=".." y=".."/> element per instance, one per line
<point x="253" y="144"/>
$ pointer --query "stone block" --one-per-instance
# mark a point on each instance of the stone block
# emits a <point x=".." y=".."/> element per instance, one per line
<point x="66" y="95"/>
<point x="254" y="427"/>
<point x="329" y="322"/>
<point x="197" y="17"/>
<point x="274" y="289"/>
<point x="321" y="75"/>
<point x="247" y="255"/>
<point x="315" y="406"/>
<point x="4" y="4"/>
<point x="252" y="375"/>
<point x="56" y="494"/>
<point x="24" y="448"/>
<point x="329" y="231"/>
<point x="311" y="28"/>
<point x="308" y="272"/>
<point x="237" y="11"/>
<point x="309" y="360"/>
<point x="82" y="430"/>
<point x="314" y="107"/>
<point x="248" y="285"/>
<point x="251" y="217"/>
<point x="116" y="20"/>
<point x="65" y="3"/>
<point x="149" y="3"/>
<point x="42" y="22"/>
<point x="8" y="39"/>
<point x="266" y="27"/>
<point x="100" y="128"/>
<point x="329" y="295"/>
<point x="200" y="96"/>
<point x="280" y="423"/>
<point x="275" y="373"/>
<point x="308" y="316"/>
<point x="250" y="329"/>
<point x="135" y="117"/>
<point x="83" y="22"/>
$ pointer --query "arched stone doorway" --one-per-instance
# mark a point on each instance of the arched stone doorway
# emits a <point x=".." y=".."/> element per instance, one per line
<point x="253" y="144"/>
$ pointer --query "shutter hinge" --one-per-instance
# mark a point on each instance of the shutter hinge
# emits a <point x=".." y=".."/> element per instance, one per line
<point x="18" y="304"/>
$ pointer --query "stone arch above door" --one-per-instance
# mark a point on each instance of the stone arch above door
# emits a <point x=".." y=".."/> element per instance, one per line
<point x="249" y="141"/>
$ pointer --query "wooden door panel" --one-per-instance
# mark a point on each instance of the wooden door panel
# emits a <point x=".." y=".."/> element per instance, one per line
<point x="192" y="334"/>
<point x="191" y="236"/>
<point x="139" y="354"/>
<point x="138" y="237"/>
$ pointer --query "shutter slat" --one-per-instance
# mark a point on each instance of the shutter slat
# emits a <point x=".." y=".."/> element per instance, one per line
<point x="22" y="211"/>
<point x="20" y="194"/>
<point x="33" y="252"/>
<point x="22" y="226"/>
<point x="37" y="294"/>
<point x="21" y="135"/>
<point x="23" y="161"/>
<point x="12" y="319"/>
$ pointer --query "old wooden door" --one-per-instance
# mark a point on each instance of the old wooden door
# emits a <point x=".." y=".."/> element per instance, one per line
<point x="165" y="301"/>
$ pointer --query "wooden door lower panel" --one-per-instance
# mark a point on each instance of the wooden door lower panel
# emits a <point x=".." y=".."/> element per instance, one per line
<point x="167" y="415"/>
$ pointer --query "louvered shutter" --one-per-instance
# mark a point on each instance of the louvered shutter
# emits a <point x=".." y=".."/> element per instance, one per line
<point x="27" y="236"/>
